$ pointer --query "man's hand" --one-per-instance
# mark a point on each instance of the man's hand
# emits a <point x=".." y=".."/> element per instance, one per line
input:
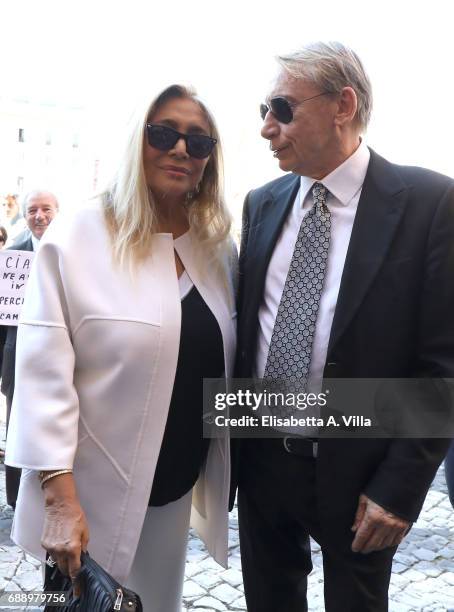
<point x="376" y="528"/>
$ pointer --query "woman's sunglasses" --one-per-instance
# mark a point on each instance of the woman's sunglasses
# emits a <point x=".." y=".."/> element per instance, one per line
<point x="165" y="138"/>
<point x="282" y="109"/>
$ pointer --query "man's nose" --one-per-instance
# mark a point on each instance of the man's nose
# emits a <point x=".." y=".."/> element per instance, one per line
<point x="270" y="127"/>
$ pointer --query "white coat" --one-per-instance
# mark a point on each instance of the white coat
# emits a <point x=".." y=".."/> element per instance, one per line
<point x="97" y="351"/>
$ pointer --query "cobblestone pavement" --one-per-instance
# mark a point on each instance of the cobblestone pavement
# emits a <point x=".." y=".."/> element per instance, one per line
<point x="422" y="579"/>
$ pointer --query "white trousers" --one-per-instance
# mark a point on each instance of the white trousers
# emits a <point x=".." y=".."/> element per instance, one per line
<point x="157" y="573"/>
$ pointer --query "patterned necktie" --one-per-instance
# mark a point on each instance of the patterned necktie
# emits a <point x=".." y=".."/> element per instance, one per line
<point x="289" y="355"/>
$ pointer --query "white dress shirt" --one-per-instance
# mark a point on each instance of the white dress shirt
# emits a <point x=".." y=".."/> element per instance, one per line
<point x="344" y="185"/>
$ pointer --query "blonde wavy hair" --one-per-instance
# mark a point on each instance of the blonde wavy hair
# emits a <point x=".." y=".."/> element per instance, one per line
<point x="129" y="205"/>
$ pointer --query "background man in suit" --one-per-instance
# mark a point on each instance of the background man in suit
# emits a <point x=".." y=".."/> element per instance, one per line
<point x="39" y="208"/>
<point x="346" y="270"/>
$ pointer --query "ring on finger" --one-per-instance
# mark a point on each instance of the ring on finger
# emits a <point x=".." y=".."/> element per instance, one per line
<point x="50" y="562"/>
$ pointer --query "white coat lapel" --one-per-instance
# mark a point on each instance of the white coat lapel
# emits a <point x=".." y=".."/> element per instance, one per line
<point x="218" y="297"/>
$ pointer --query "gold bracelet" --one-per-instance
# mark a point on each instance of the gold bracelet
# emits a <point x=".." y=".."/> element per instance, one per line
<point x="43" y="477"/>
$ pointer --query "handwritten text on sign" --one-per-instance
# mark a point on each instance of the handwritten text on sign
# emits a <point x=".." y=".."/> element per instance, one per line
<point x="14" y="270"/>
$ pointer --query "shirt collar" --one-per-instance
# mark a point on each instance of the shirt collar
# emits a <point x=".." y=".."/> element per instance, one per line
<point x="35" y="243"/>
<point x="345" y="180"/>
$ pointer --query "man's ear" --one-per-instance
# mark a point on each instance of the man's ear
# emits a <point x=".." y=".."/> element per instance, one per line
<point x="347" y="106"/>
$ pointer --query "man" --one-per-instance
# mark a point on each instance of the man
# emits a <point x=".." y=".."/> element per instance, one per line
<point x="14" y="221"/>
<point x="39" y="208"/>
<point x="345" y="272"/>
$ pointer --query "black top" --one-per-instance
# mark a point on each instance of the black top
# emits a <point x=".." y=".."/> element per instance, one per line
<point x="200" y="356"/>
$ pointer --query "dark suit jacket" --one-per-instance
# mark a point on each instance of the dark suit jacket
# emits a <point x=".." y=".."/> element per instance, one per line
<point x="8" y="336"/>
<point x="393" y="319"/>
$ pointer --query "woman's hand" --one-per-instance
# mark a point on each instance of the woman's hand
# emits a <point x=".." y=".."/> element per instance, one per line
<point x="65" y="532"/>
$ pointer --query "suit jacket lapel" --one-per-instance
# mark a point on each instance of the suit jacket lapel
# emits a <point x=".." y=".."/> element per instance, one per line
<point x="267" y="218"/>
<point x="380" y="209"/>
<point x="266" y="228"/>
<point x="23" y="245"/>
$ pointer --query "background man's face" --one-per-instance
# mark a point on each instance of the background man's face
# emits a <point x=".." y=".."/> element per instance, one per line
<point x="40" y="210"/>
<point x="10" y="206"/>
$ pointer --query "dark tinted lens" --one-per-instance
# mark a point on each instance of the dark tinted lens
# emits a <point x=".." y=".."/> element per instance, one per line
<point x="281" y="109"/>
<point x="165" y="138"/>
<point x="199" y="146"/>
<point x="263" y="110"/>
<point x="161" y="137"/>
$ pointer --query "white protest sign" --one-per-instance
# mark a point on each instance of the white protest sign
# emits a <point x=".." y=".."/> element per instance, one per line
<point x="14" y="270"/>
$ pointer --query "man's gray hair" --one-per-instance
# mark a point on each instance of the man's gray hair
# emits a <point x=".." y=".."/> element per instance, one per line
<point x="331" y="67"/>
<point x="36" y="192"/>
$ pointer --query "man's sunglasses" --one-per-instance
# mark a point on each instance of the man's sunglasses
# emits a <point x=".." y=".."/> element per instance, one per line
<point x="165" y="138"/>
<point x="282" y="109"/>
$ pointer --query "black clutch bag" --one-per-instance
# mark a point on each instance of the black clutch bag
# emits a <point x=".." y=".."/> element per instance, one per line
<point x="99" y="592"/>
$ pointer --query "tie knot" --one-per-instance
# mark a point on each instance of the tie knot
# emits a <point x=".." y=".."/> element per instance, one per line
<point x="319" y="193"/>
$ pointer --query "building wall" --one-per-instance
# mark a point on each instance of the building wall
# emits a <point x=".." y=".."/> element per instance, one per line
<point x="48" y="147"/>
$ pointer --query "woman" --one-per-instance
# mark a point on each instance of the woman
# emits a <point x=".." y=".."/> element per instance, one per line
<point x="129" y="305"/>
